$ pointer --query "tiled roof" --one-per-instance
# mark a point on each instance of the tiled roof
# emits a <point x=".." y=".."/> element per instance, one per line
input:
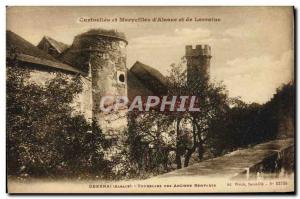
<point x="136" y="87"/>
<point x="150" y="77"/>
<point x="27" y="52"/>
<point x="59" y="46"/>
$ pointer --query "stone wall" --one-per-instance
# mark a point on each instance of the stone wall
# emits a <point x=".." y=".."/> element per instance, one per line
<point x="266" y="160"/>
<point x="102" y="53"/>
<point x="82" y="102"/>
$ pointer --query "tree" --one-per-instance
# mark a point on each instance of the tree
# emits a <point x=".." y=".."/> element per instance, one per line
<point x="212" y="101"/>
<point x="222" y="124"/>
<point x="181" y="132"/>
<point x="44" y="137"/>
<point x="149" y="142"/>
<point x="248" y="124"/>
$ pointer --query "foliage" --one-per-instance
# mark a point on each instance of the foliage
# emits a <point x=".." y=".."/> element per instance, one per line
<point x="175" y="137"/>
<point x="44" y="137"/>
<point x="149" y="142"/>
<point x="212" y="101"/>
<point x="160" y="141"/>
<point x="248" y="124"/>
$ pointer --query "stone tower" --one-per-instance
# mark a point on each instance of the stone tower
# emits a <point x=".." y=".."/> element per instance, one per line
<point x="102" y="54"/>
<point x="198" y="61"/>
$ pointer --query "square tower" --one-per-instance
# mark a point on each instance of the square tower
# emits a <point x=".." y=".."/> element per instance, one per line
<point x="198" y="62"/>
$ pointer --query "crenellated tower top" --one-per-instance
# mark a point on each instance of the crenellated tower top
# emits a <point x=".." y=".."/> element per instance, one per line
<point x="198" y="61"/>
<point x="199" y="50"/>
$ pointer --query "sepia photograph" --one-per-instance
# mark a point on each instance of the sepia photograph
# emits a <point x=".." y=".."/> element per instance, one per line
<point x="111" y="99"/>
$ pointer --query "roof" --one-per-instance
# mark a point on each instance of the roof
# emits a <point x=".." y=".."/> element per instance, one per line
<point x="75" y="58"/>
<point x="105" y="33"/>
<point x="27" y="52"/>
<point x="46" y="62"/>
<point x="150" y="77"/>
<point x="143" y="80"/>
<point x="14" y="41"/>
<point x="59" y="46"/>
<point x="136" y="87"/>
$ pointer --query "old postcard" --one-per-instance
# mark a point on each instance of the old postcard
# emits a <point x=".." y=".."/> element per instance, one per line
<point x="150" y="99"/>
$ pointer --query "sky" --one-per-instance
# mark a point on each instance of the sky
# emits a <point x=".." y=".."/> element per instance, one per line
<point x="252" y="47"/>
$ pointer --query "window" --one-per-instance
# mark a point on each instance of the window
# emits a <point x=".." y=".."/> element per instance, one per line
<point x="121" y="77"/>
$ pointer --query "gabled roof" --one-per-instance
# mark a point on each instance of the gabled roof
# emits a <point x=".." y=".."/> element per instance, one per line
<point x="136" y="87"/>
<point x="150" y="77"/>
<point x="27" y="52"/>
<point x="59" y="46"/>
<point x="21" y="46"/>
<point x="48" y="63"/>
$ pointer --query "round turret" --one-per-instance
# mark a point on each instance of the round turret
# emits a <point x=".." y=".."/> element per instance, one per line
<point x="102" y="54"/>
